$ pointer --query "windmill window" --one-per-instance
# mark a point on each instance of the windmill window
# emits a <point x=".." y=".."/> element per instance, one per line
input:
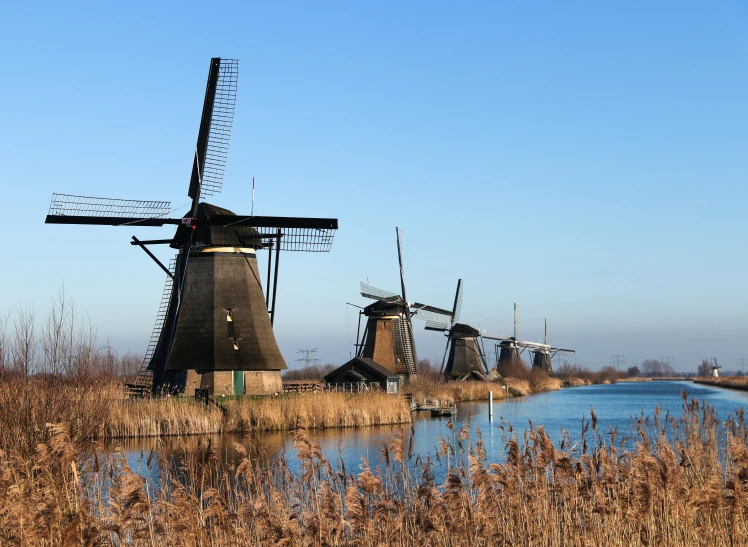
<point x="229" y="314"/>
<point x="236" y="344"/>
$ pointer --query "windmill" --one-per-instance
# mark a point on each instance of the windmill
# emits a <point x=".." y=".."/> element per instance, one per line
<point x="214" y="326"/>
<point x="509" y="348"/>
<point x="542" y="357"/>
<point x="388" y="335"/>
<point x="463" y="356"/>
<point x="715" y="368"/>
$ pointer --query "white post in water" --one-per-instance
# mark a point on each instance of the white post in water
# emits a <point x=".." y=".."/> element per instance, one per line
<point x="490" y="406"/>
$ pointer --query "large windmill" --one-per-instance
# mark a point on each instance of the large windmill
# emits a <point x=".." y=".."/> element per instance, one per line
<point x="463" y="357"/>
<point x="214" y="327"/>
<point x="388" y="335"/>
<point x="542" y="357"/>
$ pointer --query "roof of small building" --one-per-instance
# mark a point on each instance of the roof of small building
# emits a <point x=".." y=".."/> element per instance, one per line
<point x="362" y="362"/>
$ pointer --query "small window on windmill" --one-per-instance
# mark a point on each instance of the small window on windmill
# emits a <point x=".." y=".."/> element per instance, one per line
<point x="229" y="314"/>
<point x="236" y="344"/>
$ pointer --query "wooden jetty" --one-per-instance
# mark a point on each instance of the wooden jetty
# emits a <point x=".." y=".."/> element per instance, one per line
<point x="437" y="406"/>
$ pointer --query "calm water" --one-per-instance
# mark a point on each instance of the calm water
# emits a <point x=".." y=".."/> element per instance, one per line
<point x="614" y="405"/>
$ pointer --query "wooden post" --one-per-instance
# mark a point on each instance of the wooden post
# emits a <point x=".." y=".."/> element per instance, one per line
<point x="490" y="406"/>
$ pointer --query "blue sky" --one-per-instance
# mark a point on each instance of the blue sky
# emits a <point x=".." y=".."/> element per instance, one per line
<point x="583" y="159"/>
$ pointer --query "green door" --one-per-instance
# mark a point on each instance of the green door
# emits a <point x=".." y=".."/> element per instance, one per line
<point x="238" y="382"/>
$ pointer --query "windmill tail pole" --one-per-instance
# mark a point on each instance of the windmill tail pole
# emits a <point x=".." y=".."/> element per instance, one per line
<point x="275" y="275"/>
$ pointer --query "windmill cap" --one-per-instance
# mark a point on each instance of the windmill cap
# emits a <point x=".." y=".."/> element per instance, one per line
<point x="206" y="210"/>
<point x="462" y="328"/>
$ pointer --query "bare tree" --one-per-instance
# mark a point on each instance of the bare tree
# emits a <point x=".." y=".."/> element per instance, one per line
<point x="704" y="369"/>
<point x="24" y="341"/>
<point x="5" y="353"/>
<point x="654" y="367"/>
<point x="57" y="335"/>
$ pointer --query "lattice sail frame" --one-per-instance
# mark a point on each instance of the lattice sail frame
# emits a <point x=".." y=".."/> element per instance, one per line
<point x="70" y="205"/>
<point x="370" y="291"/>
<point x="310" y="240"/>
<point x="221" y="124"/>
<point x="432" y="318"/>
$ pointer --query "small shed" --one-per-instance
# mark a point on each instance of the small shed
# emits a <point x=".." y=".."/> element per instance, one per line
<point x="359" y="370"/>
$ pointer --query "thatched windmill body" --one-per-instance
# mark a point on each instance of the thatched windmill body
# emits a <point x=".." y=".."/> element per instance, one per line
<point x="214" y="326"/>
<point x="542" y="357"/>
<point x="463" y="356"/>
<point x="510" y="348"/>
<point x="388" y="335"/>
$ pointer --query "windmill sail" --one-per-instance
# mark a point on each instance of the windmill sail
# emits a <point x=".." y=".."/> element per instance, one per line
<point x="70" y="209"/>
<point x="214" y="135"/>
<point x="369" y="291"/>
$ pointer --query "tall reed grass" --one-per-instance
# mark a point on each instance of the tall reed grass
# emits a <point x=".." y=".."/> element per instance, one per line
<point x="316" y="410"/>
<point x="162" y="417"/>
<point x="682" y="482"/>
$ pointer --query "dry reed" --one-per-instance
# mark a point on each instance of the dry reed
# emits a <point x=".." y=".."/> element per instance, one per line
<point x="457" y="391"/>
<point x="734" y="382"/>
<point x="682" y="482"/>
<point x="162" y="417"/>
<point x="316" y="410"/>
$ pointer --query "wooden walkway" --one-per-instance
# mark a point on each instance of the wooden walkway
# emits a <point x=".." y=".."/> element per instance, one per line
<point x="437" y="406"/>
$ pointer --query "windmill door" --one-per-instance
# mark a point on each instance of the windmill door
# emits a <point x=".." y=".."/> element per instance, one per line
<point x="238" y="382"/>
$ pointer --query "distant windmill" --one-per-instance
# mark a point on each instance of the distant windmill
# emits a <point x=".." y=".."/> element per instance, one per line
<point x="388" y="336"/>
<point x="463" y="356"/>
<point x="509" y="348"/>
<point x="541" y="357"/>
<point x="715" y="368"/>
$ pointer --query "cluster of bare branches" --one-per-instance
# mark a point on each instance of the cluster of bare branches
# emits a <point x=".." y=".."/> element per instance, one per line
<point x="66" y="346"/>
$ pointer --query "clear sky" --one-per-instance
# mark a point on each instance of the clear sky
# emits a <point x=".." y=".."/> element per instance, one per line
<point x="586" y="160"/>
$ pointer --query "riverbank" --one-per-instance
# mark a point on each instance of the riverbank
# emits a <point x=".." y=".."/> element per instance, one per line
<point x="731" y="382"/>
<point x="171" y="416"/>
<point x="98" y="410"/>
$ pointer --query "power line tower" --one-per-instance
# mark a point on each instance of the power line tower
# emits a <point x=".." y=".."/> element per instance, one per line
<point x="668" y="360"/>
<point x="741" y="365"/>
<point x="618" y="361"/>
<point x="308" y="359"/>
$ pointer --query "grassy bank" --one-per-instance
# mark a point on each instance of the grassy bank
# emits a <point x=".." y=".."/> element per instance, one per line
<point x="671" y="489"/>
<point x="733" y="382"/>
<point x="316" y="410"/>
<point x="522" y="381"/>
<point x="96" y="409"/>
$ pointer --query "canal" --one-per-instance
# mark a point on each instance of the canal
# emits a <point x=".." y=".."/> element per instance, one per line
<point x="615" y="406"/>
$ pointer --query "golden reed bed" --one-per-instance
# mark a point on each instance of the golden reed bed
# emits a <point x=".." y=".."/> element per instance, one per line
<point x="98" y="411"/>
<point x="671" y="488"/>
<point x="734" y="382"/>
